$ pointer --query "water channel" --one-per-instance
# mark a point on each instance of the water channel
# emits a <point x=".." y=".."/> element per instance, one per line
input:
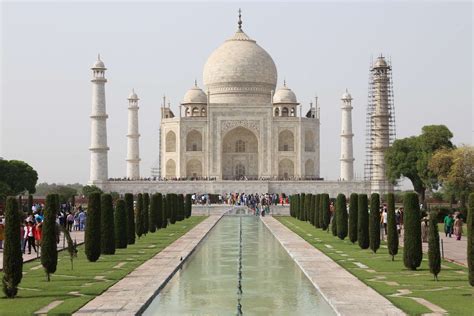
<point x="208" y="284"/>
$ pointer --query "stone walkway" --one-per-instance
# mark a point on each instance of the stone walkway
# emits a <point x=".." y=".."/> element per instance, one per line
<point x="132" y="294"/>
<point x="343" y="291"/>
<point x="75" y="235"/>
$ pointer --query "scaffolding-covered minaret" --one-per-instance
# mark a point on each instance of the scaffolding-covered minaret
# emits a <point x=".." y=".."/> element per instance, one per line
<point x="380" y="125"/>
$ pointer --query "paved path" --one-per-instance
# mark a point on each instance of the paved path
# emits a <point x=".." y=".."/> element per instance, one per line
<point x="131" y="295"/>
<point x="344" y="292"/>
<point x="75" y="235"/>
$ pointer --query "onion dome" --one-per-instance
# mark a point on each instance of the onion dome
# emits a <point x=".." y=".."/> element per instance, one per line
<point x="284" y="95"/>
<point x="99" y="64"/>
<point x="195" y="95"/>
<point x="346" y="96"/>
<point x="380" y="62"/>
<point x="133" y="95"/>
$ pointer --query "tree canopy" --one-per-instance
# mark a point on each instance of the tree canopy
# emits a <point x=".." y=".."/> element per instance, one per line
<point x="88" y="189"/>
<point x="409" y="157"/>
<point x="16" y="177"/>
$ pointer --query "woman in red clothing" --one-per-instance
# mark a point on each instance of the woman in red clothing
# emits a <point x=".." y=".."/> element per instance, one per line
<point x="29" y="237"/>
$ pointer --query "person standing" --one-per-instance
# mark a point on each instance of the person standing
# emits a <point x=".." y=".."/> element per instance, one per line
<point x="29" y="237"/>
<point x="448" y="225"/>
<point x="424" y="230"/>
<point x="458" y="227"/>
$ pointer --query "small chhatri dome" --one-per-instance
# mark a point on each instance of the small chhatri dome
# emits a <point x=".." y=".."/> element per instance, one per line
<point x="346" y="96"/>
<point x="133" y="95"/>
<point x="194" y="95"/>
<point x="380" y="62"/>
<point x="284" y="95"/>
<point x="99" y="63"/>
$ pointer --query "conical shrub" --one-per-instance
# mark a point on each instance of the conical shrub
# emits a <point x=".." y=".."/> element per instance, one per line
<point x="188" y="205"/>
<point x="120" y="225"/>
<point x="92" y="234"/>
<point x="160" y="214"/>
<point x="412" y="247"/>
<point x="434" y="254"/>
<point x="374" y="222"/>
<point x="152" y="223"/>
<point x="326" y="214"/>
<point x="317" y="206"/>
<point x="107" y="233"/>
<point x="165" y="212"/>
<point x="363" y="222"/>
<point x="180" y="208"/>
<point x="353" y="211"/>
<point x="392" y="231"/>
<point x="139" y="216"/>
<point x="129" y="210"/>
<point x="146" y="213"/>
<point x="49" y="250"/>
<point x="341" y="210"/>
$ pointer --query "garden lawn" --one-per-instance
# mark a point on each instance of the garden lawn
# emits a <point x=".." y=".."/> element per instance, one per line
<point x="88" y="279"/>
<point x="390" y="278"/>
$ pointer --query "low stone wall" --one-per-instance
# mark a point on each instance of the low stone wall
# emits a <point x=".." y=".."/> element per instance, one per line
<point x="221" y="187"/>
<point x="219" y="208"/>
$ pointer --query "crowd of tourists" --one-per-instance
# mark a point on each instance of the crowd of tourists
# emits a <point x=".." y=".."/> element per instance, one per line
<point x="453" y="225"/>
<point x="233" y="178"/>
<point x="241" y="199"/>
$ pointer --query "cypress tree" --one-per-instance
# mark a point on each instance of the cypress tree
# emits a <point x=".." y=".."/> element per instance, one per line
<point x="188" y="205"/>
<point x="341" y="210"/>
<point x="159" y="210"/>
<point x="139" y="216"/>
<point x="130" y="218"/>
<point x="326" y="215"/>
<point x="171" y="207"/>
<point x="307" y="206"/>
<point x="320" y="215"/>
<point x="374" y="222"/>
<point x="301" y="210"/>
<point x="353" y="210"/>
<point x="470" y="238"/>
<point x="146" y="213"/>
<point x="317" y="201"/>
<point x="412" y="253"/>
<point x="92" y="234"/>
<point x="311" y="209"/>
<point x="12" y="256"/>
<point x="297" y="206"/>
<point x="49" y="250"/>
<point x="334" y="224"/>
<point x="120" y="225"/>
<point x="180" y="208"/>
<point x="107" y="232"/>
<point x="392" y="232"/>
<point x="363" y="222"/>
<point x="165" y="212"/>
<point x="152" y="223"/>
<point x="434" y="255"/>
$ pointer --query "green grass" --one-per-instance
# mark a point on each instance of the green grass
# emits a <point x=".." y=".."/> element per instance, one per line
<point x="35" y="292"/>
<point x="452" y="292"/>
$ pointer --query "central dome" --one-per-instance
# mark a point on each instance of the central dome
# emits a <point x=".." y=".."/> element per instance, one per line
<point x="240" y="65"/>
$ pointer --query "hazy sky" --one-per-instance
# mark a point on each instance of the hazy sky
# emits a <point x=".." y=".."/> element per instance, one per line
<point x="47" y="50"/>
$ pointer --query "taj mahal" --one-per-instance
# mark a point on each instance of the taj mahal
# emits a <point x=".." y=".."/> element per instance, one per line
<point x="242" y="133"/>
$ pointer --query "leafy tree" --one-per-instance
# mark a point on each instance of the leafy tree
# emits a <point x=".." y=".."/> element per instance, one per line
<point x="139" y="216"/>
<point x="18" y="177"/>
<point x="374" y="222"/>
<point x="341" y="210"/>
<point x="152" y="223"/>
<point x="317" y="206"/>
<point x="470" y="239"/>
<point x="107" y="238"/>
<point x="434" y="255"/>
<point x="363" y="222"/>
<point x="453" y="168"/>
<point x="92" y="234"/>
<point x="409" y="157"/>
<point x="129" y="210"/>
<point x="188" y="205"/>
<point x="392" y="232"/>
<point x="412" y="253"/>
<point x="89" y="189"/>
<point x="120" y="225"/>
<point x="353" y="217"/>
<point x="12" y="256"/>
<point x="326" y="215"/>
<point x="160" y="211"/>
<point x="180" y="208"/>
<point x="146" y="213"/>
<point x="49" y="250"/>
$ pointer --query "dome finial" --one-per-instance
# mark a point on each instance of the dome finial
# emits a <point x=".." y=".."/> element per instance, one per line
<point x="284" y="82"/>
<point x="98" y="56"/>
<point x="195" y="83"/>
<point x="240" y="20"/>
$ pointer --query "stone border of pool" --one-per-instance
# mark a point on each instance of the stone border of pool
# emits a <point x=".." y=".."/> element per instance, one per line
<point x="133" y="294"/>
<point x="346" y="294"/>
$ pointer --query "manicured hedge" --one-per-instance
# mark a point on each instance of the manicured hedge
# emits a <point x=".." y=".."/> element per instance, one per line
<point x="363" y="222"/>
<point x="92" y="234"/>
<point x="412" y="247"/>
<point x="129" y="210"/>
<point x="374" y="222"/>
<point x="139" y="216"/>
<point x="392" y="232"/>
<point x="120" y="225"/>
<point x="434" y="253"/>
<point x="146" y="213"/>
<point x="153" y="219"/>
<point x="341" y="210"/>
<point x="49" y="250"/>
<point x="107" y="234"/>
<point x="325" y="212"/>
<point x="317" y="207"/>
<point x="353" y="211"/>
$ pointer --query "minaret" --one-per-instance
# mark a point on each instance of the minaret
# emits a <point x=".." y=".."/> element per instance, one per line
<point x="347" y="159"/>
<point x="133" y="137"/>
<point x="380" y="128"/>
<point x="98" y="147"/>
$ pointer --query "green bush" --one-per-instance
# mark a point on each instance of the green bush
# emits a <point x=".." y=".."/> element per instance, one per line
<point x="470" y="239"/>
<point x="139" y="216"/>
<point x="120" y="225"/>
<point x="317" y="206"/>
<point x="160" y="213"/>
<point x="311" y="209"/>
<point x="353" y="217"/>
<point x="12" y="256"/>
<point x="412" y="252"/>
<point x="180" y="208"/>
<point x="107" y="233"/>
<point x="341" y="217"/>
<point x="146" y="213"/>
<point x="334" y="224"/>
<point x="152" y="223"/>
<point x="171" y="202"/>
<point x="188" y="205"/>
<point x="392" y="232"/>
<point x="434" y="254"/>
<point x="129" y="210"/>
<point x="297" y="206"/>
<point x="326" y="214"/>
<point x="92" y="234"/>
<point x="374" y="222"/>
<point x="165" y="212"/>
<point x="49" y="250"/>
<point x="363" y="222"/>
<point x="301" y="209"/>
<point x="307" y="206"/>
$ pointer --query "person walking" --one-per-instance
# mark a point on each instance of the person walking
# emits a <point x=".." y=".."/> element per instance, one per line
<point x="448" y="225"/>
<point x="458" y="227"/>
<point x="29" y="237"/>
<point x="424" y="229"/>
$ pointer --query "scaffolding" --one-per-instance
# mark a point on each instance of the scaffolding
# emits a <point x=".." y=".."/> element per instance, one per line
<point x="371" y="109"/>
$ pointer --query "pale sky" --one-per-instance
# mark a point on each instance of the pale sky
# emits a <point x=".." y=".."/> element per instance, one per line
<point x="159" y="48"/>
